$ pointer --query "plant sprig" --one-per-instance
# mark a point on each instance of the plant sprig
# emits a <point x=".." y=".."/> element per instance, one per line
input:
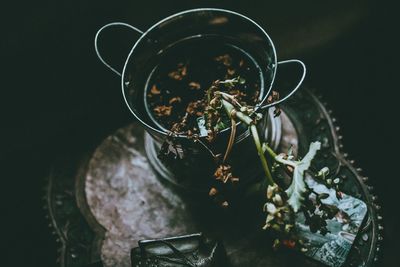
<point x="281" y="205"/>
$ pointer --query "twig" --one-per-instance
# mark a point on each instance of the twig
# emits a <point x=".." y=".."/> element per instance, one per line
<point x="231" y="139"/>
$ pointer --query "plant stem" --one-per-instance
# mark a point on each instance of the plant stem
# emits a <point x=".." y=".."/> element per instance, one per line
<point x="240" y="115"/>
<point x="267" y="148"/>
<point x="231" y="139"/>
<point x="264" y="162"/>
<point x="253" y="129"/>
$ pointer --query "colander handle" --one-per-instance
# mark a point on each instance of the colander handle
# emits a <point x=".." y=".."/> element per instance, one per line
<point x="97" y="37"/>
<point x="303" y="66"/>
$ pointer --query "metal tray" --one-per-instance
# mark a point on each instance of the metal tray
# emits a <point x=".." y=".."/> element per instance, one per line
<point x="101" y="204"/>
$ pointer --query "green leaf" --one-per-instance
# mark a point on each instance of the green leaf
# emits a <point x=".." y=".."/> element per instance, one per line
<point x="297" y="188"/>
<point x="220" y="126"/>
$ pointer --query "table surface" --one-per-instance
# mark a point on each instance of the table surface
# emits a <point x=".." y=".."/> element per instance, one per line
<point x="59" y="102"/>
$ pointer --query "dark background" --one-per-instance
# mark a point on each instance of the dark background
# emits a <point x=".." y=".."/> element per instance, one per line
<point x="56" y="97"/>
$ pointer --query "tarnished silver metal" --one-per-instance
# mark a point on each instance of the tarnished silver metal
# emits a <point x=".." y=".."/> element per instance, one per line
<point x="190" y="24"/>
<point x="198" y="24"/>
<point x="96" y="39"/>
<point x="115" y="199"/>
<point x="247" y="159"/>
<point x="294" y="90"/>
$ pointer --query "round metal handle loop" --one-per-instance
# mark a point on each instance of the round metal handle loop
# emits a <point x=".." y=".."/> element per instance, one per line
<point x="97" y="37"/>
<point x="295" y="88"/>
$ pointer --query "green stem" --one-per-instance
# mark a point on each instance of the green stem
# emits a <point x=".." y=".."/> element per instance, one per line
<point x="240" y="115"/>
<point x="264" y="162"/>
<point x="253" y="129"/>
<point x="267" y="148"/>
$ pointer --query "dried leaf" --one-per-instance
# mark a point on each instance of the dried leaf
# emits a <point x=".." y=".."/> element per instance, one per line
<point x="163" y="110"/>
<point x="224" y="173"/>
<point x="179" y="73"/>
<point x="194" y="86"/>
<point x="213" y="192"/>
<point x="154" y="90"/>
<point x="224" y="59"/>
<point x="174" y="100"/>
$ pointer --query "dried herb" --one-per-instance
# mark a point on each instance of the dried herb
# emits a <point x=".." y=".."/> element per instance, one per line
<point x="179" y="73"/>
<point x="180" y="83"/>
<point x="162" y="111"/>
<point x="224" y="174"/>
<point x="198" y="112"/>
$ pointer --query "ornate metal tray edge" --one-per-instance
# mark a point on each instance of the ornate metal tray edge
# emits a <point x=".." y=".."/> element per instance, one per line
<point x="79" y="235"/>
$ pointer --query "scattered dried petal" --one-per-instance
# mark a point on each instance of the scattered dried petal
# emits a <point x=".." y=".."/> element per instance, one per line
<point x="195" y="107"/>
<point x="231" y="72"/>
<point x="224" y="173"/>
<point x="224" y="59"/>
<point x="194" y="86"/>
<point x="179" y="73"/>
<point x="154" y="90"/>
<point x="163" y="110"/>
<point x="213" y="192"/>
<point x="174" y="100"/>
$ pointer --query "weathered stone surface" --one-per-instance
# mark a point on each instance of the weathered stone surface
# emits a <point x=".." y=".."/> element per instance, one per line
<point x="127" y="199"/>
